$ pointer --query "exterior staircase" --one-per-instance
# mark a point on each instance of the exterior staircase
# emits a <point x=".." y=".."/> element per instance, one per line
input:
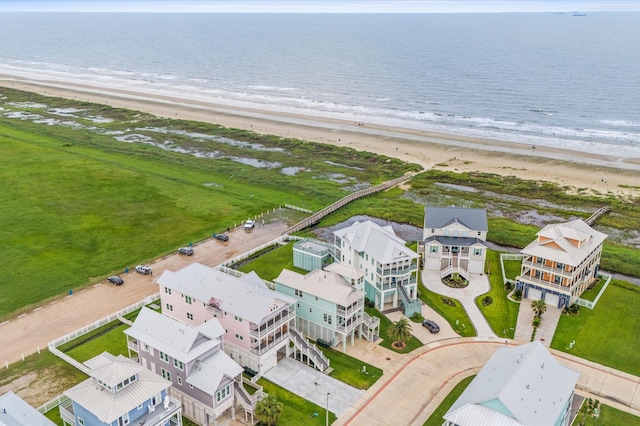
<point x="411" y="306"/>
<point x="247" y="401"/>
<point x="307" y="348"/>
<point x="370" y="327"/>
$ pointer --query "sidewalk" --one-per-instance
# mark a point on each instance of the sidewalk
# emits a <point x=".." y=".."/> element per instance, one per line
<point x="478" y="284"/>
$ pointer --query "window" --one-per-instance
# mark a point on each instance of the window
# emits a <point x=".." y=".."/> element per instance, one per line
<point x="560" y="265"/>
<point x="327" y="318"/>
<point x="80" y="421"/>
<point x="298" y="293"/>
<point x="239" y="336"/>
<point x="557" y="279"/>
<point x="310" y="310"/>
<point x="167" y="290"/>
<point x="178" y="364"/>
<point x="124" y="420"/>
<point x="164" y="357"/>
<point x="238" y="318"/>
<point x="223" y="393"/>
<point x="188" y="299"/>
<point x="298" y="305"/>
<point x="146" y="347"/>
<point x="166" y="374"/>
<point x="140" y="407"/>
<point x="169" y="307"/>
<point x="189" y="316"/>
<point x="433" y="249"/>
<point x="180" y="380"/>
<point x="477" y="252"/>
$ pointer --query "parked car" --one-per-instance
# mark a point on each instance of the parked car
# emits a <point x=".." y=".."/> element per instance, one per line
<point x="187" y="251"/>
<point x="249" y="224"/>
<point x="431" y="325"/>
<point x="116" y="280"/>
<point x="143" y="269"/>
<point x="221" y="237"/>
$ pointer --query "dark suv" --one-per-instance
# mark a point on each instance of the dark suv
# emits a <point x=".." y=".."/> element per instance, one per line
<point x="221" y="237"/>
<point x="431" y="325"/>
<point x="188" y="251"/>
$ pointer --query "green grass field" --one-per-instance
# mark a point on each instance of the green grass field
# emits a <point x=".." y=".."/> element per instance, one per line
<point x="296" y="410"/>
<point x="79" y="205"/>
<point x="269" y="265"/>
<point x="435" y="419"/>
<point x="349" y="370"/>
<point x="456" y="316"/>
<point x="609" y="416"/>
<point x="607" y="334"/>
<point x="387" y="342"/>
<point x="501" y="314"/>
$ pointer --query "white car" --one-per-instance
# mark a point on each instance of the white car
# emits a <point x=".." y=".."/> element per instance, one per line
<point x="143" y="269"/>
<point x="249" y="224"/>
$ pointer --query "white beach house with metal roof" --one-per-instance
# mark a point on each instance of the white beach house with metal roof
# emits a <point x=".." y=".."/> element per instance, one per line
<point x="255" y="318"/>
<point x="390" y="267"/>
<point x="203" y="376"/>
<point x="14" y="411"/>
<point x="455" y="240"/>
<point x="120" y="392"/>
<point x="518" y="386"/>
<point x="328" y="307"/>
<point x="561" y="263"/>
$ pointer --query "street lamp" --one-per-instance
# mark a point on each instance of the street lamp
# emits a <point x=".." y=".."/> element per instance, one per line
<point x="328" y="393"/>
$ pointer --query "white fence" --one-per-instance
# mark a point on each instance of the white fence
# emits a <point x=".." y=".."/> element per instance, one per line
<point x="248" y="254"/>
<point x="51" y="404"/>
<point x="300" y="209"/>
<point x="589" y="304"/>
<point x="508" y="256"/>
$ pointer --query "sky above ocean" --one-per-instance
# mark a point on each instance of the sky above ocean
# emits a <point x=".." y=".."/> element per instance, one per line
<point x="318" y="6"/>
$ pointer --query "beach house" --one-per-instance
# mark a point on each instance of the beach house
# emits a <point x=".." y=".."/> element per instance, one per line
<point x="120" y="392"/>
<point x="255" y="318"/>
<point x="328" y="307"/>
<point x="455" y="240"/>
<point x="14" y="411"/>
<point x="518" y="386"/>
<point x="389" y="268"/>
<point x="561" y="263"/>
<point x="204" y="378"/>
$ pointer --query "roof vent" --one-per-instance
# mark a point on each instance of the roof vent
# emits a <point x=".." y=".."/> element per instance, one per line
<point x="527" y="386"/>
<point x="542" y="366"/>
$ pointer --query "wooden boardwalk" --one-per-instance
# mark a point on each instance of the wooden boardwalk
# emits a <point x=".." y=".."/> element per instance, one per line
<point x="596" y="215"/>
<point x="316" y="217"/>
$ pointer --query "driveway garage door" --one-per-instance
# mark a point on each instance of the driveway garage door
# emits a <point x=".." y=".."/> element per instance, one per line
<point x="534" y="294"/>
<point x="552" y="299"/>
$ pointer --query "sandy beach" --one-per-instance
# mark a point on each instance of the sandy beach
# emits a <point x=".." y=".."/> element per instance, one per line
<point x="600" y="174"/>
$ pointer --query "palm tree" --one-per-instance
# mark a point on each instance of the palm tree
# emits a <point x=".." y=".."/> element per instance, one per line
<point x="539" y="307"/>
<point x="400" y="331"/>
<point x="268" y="410"/>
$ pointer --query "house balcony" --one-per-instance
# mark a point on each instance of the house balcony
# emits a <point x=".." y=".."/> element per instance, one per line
<point x="160" y="415"/>
<point x="341" y="311"/>
<point x="133" y="344"/>
<point x="392" y="286"/>
<point x="387" y="272"/>
<point x="349" y="325"/>
<point x="548" y="284"/>
<point x="550" y="269"/>
<point x="66" y="412"/>
<point x="216" y="311"/>
<point x="272" y="323"/>
<point x="269" y="342"/>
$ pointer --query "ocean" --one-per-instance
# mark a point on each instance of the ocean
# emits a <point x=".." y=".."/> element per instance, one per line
<point x="542" y="79"/>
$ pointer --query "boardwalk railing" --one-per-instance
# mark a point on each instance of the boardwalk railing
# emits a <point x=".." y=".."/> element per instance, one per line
<point x="315" y="218"/>
<point x="596" y="215"/>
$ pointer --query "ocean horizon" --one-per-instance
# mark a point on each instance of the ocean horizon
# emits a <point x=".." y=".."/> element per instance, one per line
<point x="541" y="79"/>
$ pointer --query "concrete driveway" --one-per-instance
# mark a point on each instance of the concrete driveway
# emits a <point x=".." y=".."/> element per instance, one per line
<point x="478" y="284"/>
<point x="424" y="335"/>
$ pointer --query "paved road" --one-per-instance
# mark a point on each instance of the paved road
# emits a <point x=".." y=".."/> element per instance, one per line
<point x="24" y="335"/>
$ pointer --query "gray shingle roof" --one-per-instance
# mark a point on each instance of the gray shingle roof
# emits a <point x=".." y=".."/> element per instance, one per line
<point x="19" y="413"/>
<point x="531" y="385"/>
<point x="172" y="337"/>
<point x="379" y="242"/>
<point x="440" y="217"/>
<point x="109" y="406"/>
<point x="247" y="297"/>
<point x="323" y="284"/>
<point x="554" y="243"/>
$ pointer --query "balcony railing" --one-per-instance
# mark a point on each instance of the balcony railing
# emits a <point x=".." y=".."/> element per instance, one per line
<point x="350" y="311"/>
<point x="352" y="325"/>
<point x="66" y="412"/>
<point x="259" y="349"/>
<point x="271" y="324"/>
<point x="160" y="415"/>
<point x="392" y="286"/>
<point x="553" y="270"/>
<point x="397" y="271"/>
<point x="553" y="285"/>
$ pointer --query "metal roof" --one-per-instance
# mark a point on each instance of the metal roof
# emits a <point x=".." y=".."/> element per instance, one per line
<point x="554" y="242"/>
<point x="208" y="374"/>
<point x="246" y="297"/>
<point x="379" y="242"/>
<point x="109" y="406"/>
<point x="530" y="385"/>
<point x="18" y="413"/>
<point x="456" y="241"/>
<point x="172" y="337"/>
<point x="112" y="371"/>
<point x="323" y="284"/>
<point x="440" y="217"/>
<point x="345" y="271"/>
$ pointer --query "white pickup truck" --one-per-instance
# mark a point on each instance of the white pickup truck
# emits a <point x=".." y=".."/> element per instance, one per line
<point x="249" y="224"/>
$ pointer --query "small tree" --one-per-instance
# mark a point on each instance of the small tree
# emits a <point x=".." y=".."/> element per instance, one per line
<point x="268" y="410"/>
<point x="539" y="307"/>
<point x="400" y="331"/>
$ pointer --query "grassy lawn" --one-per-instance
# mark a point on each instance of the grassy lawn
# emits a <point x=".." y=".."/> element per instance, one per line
<point x="348" y="369"/>
<point x="456" y="316"/>
<point x="111" y="340"/>
<point x="607" y="334"/>
<point x="385" y="322"/>
<point x="296" y="410"/>
<point x="436" y="417"/>
<point x="512" y="268"/>
<point x="89" y="192"/>
<point x="269" y="265"/>
<point x="609" y="416"/>
<point x="591" y="294"/>
<point x="501" y="314"/>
